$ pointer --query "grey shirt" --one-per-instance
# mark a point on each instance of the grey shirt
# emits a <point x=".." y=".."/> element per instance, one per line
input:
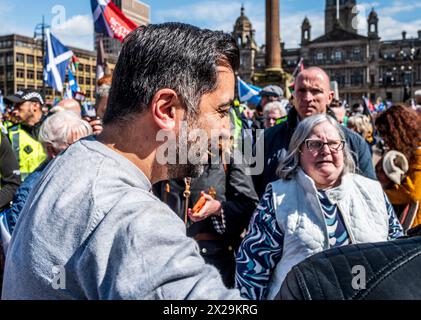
<point x="92" y="229"/>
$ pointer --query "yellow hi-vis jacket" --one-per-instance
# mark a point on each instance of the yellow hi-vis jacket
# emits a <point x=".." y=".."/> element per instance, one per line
<point x="29" y="152"/>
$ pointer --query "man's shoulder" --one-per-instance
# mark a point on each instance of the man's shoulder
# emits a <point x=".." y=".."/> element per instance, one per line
<point x="278" y="134"/>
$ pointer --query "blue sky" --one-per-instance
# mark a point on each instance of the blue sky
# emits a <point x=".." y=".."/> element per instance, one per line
<point x="75" y="26"/>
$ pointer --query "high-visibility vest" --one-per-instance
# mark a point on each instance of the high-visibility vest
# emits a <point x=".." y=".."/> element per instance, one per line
<point x="29" y="152"/>
<point x="236" y="112"/>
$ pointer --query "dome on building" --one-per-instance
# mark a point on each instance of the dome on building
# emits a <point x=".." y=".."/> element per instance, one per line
<point x="306" y="22"/>
<point x="243" y="22"/>
<point x="373" y="15"/>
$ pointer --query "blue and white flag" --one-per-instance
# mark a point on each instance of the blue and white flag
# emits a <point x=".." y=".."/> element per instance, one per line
<point x="72" y="82"/>
<point x="2" y="108"/>
<point x="56" y="62"/>
<point x="248" y="92"/>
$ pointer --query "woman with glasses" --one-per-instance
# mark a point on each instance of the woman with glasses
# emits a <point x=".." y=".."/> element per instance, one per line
<point x="318" y="203"/>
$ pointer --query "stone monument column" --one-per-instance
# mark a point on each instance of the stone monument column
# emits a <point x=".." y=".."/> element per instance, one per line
<point x="273" y="38"/>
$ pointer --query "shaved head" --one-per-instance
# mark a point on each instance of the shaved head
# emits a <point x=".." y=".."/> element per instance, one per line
<point x="70" y="105"/>
<point x="316" y="72"/>
<point x="312" y="92"/>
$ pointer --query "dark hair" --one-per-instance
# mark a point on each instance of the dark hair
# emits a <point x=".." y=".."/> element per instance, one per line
<point x="400" y="128"/>
<point x="170" y="55"/>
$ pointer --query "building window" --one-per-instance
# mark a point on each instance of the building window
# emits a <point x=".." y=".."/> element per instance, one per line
<point x="20" y="58"/>
<point x="339" y="78"/>
<point x="39" y="60"/>
<point x="81" y="81"/>
<point x="20" y="73"/>
<point x="9" y="59"/>
<point x="87" y="68"/>
<point x="30" y="74"/>
<point x="2" y="59"/>
<point x="40" y="75"/>
<point x="356" y="54"/>
<point x="30" y="59"/>
<point x="338" y="55"/>
<point x="320" y="56"/>
<point x="357" y="78"/>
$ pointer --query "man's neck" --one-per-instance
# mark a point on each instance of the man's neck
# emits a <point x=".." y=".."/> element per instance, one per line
<point x="136" y="145"/>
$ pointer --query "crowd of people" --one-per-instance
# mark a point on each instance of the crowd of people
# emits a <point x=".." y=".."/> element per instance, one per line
<point x="90" y="198"/>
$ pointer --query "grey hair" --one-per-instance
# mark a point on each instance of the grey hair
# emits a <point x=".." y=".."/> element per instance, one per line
<point x="289" y="166"/>
<point x="57" y="128"/>
<point x="273" y="106"/>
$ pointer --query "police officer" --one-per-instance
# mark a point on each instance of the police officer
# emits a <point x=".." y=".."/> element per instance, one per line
<point x="27" y="109"/>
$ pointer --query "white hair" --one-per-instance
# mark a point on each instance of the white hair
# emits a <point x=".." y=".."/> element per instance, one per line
<point x="275" y="106"/>
<point x="290" y="164"/>
<point x="58" y="129"/>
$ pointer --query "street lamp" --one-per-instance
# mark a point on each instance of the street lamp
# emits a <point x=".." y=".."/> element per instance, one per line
<point x="406" y="69"/>
<point x="40" y="32"/>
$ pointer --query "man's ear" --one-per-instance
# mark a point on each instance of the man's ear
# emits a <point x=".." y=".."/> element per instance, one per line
<point x="163" y="107"/>
<point x="331" y="96"/>
<point x="36" y="106"/>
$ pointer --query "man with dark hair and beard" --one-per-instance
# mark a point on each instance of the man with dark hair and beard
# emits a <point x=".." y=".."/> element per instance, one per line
<point x="93" y="229"/>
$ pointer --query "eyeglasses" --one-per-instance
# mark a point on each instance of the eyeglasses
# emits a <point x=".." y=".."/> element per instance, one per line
<point x="317" y="145"/>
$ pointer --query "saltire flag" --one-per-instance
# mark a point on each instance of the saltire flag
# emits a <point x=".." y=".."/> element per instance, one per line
<point x="248" y="92"/>
<point x="56" y="61"/>
<point x="74" y="87"/>
<point x="110" y="21"/>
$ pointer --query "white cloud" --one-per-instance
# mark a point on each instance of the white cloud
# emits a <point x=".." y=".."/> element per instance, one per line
<point x="76" y="31"/>
<point x="391" y="29"/>
<point x="291" y="28"/>
<point x="399" y="7"/>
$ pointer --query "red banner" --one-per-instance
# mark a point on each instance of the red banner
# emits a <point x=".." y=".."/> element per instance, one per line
<point x="118" y="22"/>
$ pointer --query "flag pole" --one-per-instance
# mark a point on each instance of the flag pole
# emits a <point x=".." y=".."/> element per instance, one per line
<point x="337" y="10"/>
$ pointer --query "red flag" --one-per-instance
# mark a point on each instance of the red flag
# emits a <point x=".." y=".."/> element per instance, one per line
<point x="110" y="21"/>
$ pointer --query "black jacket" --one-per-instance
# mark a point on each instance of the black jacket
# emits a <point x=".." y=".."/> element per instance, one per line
<point x="392" y="272"/>
<point x="234" y="189"/>
<point x="276" y="143"/>
<point x="9" y="167"/>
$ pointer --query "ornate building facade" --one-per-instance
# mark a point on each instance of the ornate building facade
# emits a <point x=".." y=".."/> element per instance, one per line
<point x="362" y="65"/>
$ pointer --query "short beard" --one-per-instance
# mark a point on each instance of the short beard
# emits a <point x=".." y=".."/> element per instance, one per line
<point x="176" y="171"/>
